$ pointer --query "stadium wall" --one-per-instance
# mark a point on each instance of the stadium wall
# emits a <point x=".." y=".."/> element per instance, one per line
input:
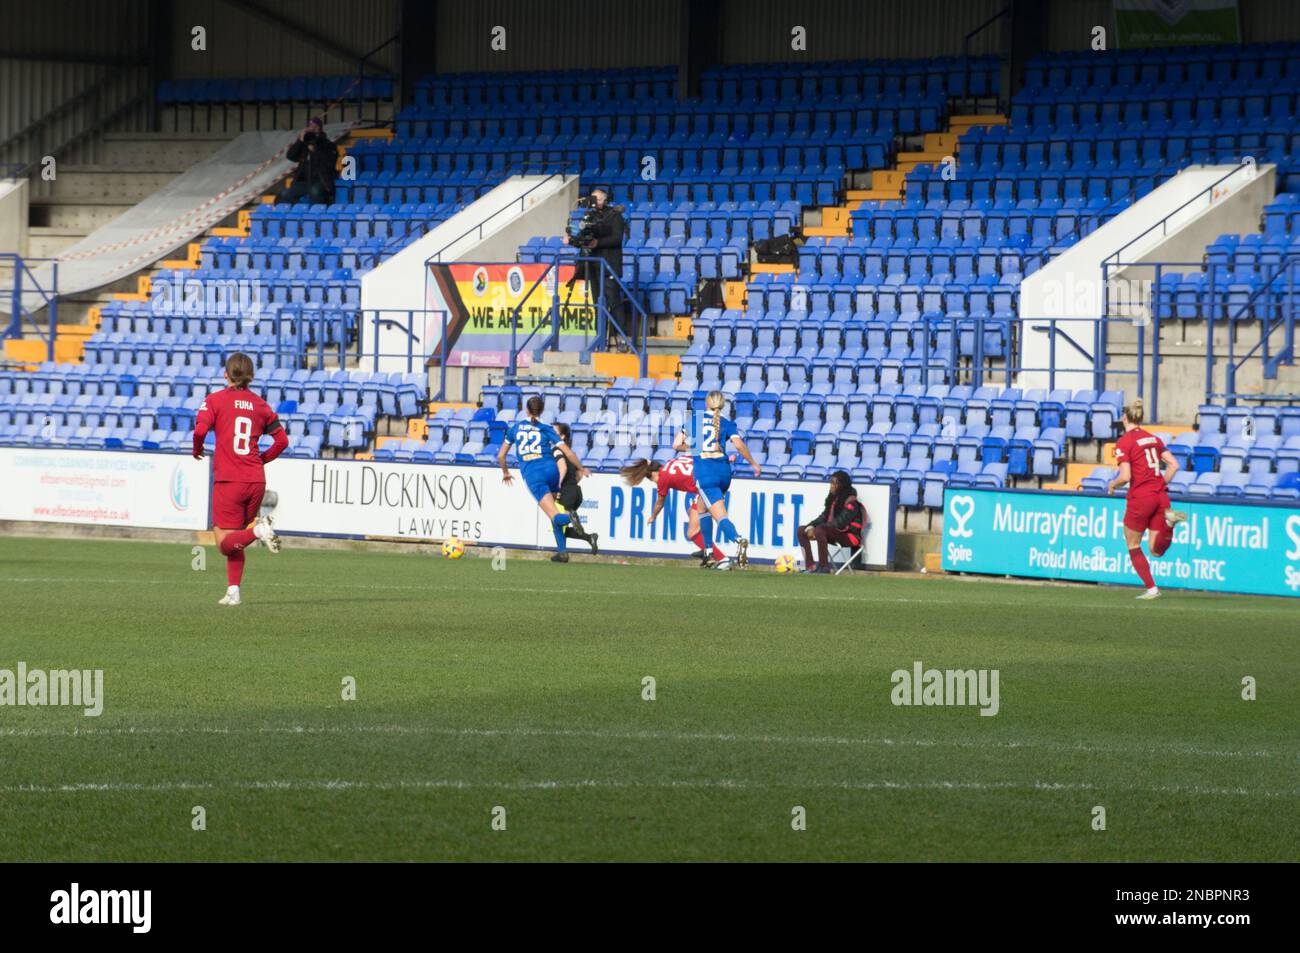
<point x="13" y="216"/>
<point x="759" y="32"/>
<point x="243" y="44"/>
<point x="558" y="34"/>
<point x="84" y="58"/>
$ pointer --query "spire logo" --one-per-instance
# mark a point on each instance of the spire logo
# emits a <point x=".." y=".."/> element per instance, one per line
<point x="961" y="509"/>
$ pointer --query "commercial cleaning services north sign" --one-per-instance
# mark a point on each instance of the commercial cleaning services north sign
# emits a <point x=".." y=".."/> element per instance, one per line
<point x="1223" y="547"/>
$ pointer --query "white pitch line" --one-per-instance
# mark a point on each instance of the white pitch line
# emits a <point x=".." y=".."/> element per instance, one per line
<point x="727" y="737"/>
<point x="865" y="598"/>
<point x="308" y="784"/>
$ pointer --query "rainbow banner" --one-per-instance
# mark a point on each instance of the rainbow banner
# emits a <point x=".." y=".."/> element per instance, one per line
<point x="492" y="306"/>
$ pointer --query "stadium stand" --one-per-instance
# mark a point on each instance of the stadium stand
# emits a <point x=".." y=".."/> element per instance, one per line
<point x="873" y="353"/>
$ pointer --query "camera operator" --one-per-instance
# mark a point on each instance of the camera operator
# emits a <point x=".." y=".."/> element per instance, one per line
<point x="317" y="159"/>
<point x="601" y="236"/>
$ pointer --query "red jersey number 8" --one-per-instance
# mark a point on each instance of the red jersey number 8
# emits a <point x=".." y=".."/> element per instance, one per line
<point x="243" y="436"/>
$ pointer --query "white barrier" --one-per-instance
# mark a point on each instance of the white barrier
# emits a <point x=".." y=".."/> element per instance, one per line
<point x="359" y="499"/>
<point x="158" y="490"/>
<point x="424" y="502"/>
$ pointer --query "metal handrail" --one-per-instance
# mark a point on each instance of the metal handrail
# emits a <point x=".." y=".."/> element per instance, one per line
<point x="965" y="45"/>
<point x="49" y="299"/>
<point x="1053" y="329"/>
<point x="1163" y="223"/>
<point x="436" y="257"/>
<point x="400" y="241"/>
<point x="362" y="63"/>
<point x="1286" y="266"/>
<point x="603" y="314"/>
<point x="1099" y="216"/>
<point x="949" y="363"/>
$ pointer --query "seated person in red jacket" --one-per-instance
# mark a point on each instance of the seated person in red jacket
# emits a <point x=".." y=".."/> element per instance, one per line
<point x="844" y="522"/>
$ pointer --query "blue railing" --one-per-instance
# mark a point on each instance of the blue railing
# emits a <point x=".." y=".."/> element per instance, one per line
<point x="1116" y="257"/>
<point x="411" y="323"/>
<point x="956" y="364"/>
<point x="362" y="65"/>
<point x="1270" y="360"/>
<point x="26" y="288"/>
<point x="436" y="257"/>
<point x="1282" y="307"/>
<point x="605" y="320"/>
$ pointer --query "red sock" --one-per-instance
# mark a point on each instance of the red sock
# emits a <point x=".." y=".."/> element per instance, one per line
<point x="234" y="567"/>
<point x="236" y="541"/>
<point x="717" y="553"/>
<point x="1160" y="542"/>
<point x="1142" y="566"/>
<point x="698" y="539"/>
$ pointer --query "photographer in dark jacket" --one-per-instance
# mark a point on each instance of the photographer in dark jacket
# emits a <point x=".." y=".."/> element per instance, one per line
<point x="601" y="236"/>
<point x="317" y="159"/>
<point x="844" y="522"/>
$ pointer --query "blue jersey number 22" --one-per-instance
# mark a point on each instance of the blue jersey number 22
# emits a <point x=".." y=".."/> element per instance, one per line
<point x="530" y="443"/>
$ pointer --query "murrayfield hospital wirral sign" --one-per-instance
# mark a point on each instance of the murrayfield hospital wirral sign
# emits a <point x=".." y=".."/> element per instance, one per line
<point x="1223" y="547"/>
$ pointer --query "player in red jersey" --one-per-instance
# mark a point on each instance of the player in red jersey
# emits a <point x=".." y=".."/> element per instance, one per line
<point x="1139" y="455"/>
<point x="677" y="474"/>
<point x="239" y="417"/>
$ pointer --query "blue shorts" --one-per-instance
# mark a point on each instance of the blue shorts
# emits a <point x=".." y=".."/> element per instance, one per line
<point x="542" y="477"/>
<point x="713" y="477"/>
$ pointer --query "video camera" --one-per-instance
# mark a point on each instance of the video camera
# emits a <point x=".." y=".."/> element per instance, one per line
<point x="585" y="231"/>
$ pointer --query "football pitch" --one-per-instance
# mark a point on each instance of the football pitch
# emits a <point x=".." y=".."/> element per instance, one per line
<point x="520" y="699"/>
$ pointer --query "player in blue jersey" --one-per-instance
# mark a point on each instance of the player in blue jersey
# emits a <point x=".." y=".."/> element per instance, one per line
<point x="710" y="435"/>
<point x="534" y="443"/>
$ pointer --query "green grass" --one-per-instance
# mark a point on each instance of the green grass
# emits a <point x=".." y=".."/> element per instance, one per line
<point x="523" y="689"/>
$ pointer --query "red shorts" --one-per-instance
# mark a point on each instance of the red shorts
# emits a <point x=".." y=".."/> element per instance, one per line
<point x="235" y="505"/>
<point x="1147" y="512"/>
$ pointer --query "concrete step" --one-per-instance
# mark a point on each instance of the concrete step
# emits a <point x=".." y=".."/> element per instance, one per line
<point x="160" y="151"/>
<point x="231" y="121"/>
<point x="95" y="183"/>
<point x="51" y="242"/>
<point x="666" y="345"/>
<point x="80" y="215"/>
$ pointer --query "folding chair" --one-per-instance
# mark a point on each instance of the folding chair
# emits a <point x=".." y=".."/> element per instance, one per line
<point x="835" y="549"/>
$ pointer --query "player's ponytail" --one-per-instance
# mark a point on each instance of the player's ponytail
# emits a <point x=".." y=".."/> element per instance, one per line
<point x="239" y="370"/>
<point x="715" y="402"/>
<point x="1133" y="412"/>
<point x="535" y="406"/>
<point x="634" y="473"/>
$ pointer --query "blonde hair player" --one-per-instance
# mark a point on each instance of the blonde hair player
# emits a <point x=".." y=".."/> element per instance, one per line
<point x="710" y="435"/>
<point x="1147" y="507"/>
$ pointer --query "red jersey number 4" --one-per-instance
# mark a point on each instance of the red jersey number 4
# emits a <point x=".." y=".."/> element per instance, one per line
<point x="1142" y="452"/>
